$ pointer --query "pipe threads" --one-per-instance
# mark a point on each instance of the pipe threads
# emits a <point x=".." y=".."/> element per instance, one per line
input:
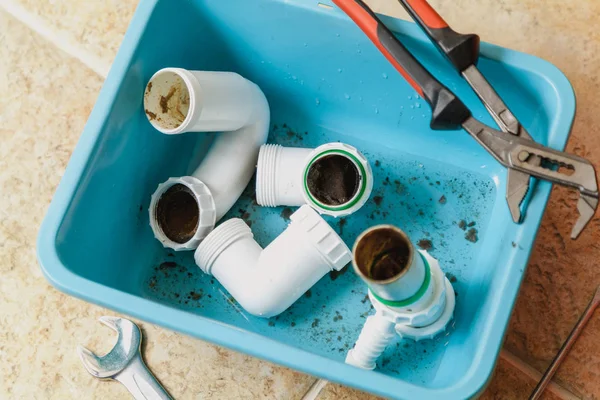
<point x="266" y="175"/>
<point x="218" y="240"/>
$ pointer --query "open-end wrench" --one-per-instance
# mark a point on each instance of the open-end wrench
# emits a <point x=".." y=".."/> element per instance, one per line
<point x="124" y="362"/>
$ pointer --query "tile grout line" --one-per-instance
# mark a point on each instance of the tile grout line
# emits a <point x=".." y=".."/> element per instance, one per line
<point x="554" y="387"/>
<point x="60" y="40"/>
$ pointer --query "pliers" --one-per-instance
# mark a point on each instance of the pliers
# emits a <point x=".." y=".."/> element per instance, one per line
<point x="512" y="146"/>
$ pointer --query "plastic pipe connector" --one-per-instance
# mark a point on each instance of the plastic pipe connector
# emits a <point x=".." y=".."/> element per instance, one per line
<point x="408" y="290"/>
<point x="265" y="282"/>
<point x="412" y="321"/>
<point x="176" y="101"/>
<point x="335" y="178"/>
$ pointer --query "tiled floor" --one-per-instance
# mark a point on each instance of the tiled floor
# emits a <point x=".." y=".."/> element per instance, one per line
<point x="54" y="55"/>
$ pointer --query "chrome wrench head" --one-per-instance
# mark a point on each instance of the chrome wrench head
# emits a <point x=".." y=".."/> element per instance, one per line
<point x="129" y="340"/>
<point x="124" y="362"/>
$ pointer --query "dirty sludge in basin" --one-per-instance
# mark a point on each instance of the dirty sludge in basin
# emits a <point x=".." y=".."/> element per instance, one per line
<point x="177" y="213"/>
<point x="382" y="254"/>
<point x="333" y="180"/>
<point x="389" y="264"/>
<point x="167" y="100"/>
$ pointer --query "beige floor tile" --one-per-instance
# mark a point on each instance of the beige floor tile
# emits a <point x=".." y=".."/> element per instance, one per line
<point x="97" y="25"/>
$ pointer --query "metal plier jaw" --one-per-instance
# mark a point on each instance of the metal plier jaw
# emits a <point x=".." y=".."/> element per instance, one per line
<point x="533" y="159"/>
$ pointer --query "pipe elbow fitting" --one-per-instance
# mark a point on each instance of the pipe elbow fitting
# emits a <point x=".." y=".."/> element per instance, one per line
<point x="177" y="101"/>
<point x="335" y="178"/>
<point x="266" y="282"/>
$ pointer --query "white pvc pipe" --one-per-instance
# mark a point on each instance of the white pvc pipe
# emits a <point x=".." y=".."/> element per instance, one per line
<point x="279" y="175"/>
<point x="216" y="101"/>
<point x="422" y="320"/>
<point x="266" y="282"/>
<point x="282" y="177"/>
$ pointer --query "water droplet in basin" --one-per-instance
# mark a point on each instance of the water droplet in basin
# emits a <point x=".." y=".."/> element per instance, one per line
<point x="305" y="44"/>
<point x="294" y="77"/>
<point x="417" y="96"/>
<point x="376" y="110"/>
<point x="347" y="96"/>
<point x="412" y="117"/>
<point x="411" y="106"/>
<point x="340" y="70"/>
<point x="402" y="107"/>
<point x="302" y="82"/>
<point x="418" y="105"/>
<point x="317" y="102"/>
<point x="337" y="34"/>
<point x="361" y="82"/>
<point x="358" y="51"/>
<point x="410" y="97"/>
<point x="385" y="76"/>
<point x="360" y="98"/>
<point x="423" y="115"/>
<point x="262" y="62"/>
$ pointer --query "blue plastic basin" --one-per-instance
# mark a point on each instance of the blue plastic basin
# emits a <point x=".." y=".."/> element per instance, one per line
<point x="325" y="82"/>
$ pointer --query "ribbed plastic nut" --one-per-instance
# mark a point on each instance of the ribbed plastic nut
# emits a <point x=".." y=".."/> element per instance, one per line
<point x="323" y="237"/>
<point x="433" y="319"/>
<point x="440" y="324"/>
<point x="206" y="206"/>
<point x="218" y="240"/>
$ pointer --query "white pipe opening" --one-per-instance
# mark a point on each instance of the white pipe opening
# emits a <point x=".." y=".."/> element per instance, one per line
<point x="265" y="282"/>
<point x="335" y="178"/>
<point x="384" y="257"/>
<point x="177" y="101"/>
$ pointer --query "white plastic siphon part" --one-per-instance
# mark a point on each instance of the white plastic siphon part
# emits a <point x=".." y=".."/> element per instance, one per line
<point x="178" y="100"/>
<point x="407" y="285"/>
<point x="265" y="282"/>
<point x="281" y="177"/>
<point x="218" y="101"/>
<point x="377" y="333"/>
<point x="418" y="322"/>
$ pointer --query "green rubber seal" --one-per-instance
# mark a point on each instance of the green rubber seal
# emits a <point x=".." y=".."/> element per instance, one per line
<point x="361" y="191"/>
<point x="412" y="299"/>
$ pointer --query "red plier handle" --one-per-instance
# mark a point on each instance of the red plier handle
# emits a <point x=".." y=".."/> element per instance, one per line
<point x="448" y="112"/>
<point x="461" y="50"/>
